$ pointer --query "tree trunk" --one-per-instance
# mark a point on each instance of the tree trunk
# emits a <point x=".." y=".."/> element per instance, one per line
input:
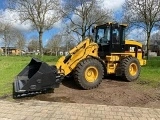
<point x="51" y="52"/>
<point x="56" y="52"/>
<point x="83" y="37"/>
<point x="83" y="34"/>
<point x="20" y="51"/>
<point x="40" y="43"/>
<point x="5" y="52"/>
<point x="148" y="41"/>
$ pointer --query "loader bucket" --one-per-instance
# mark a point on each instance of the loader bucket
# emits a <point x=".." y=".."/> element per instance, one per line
<point x="37" y="76"/>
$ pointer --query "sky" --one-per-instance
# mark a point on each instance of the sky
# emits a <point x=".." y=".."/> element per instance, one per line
<point x="8" y="16"/>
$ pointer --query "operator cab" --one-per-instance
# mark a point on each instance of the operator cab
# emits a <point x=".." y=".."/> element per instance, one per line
<point x="110" y="38"/>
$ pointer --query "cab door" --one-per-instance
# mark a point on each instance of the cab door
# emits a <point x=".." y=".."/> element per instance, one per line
<point x="117" y="40"/>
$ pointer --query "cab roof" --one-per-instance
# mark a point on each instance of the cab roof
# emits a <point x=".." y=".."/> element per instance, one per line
<point x="111" y="23"/>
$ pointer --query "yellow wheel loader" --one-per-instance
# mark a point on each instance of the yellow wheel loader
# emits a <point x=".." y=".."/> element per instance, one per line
<point x="106" y="53"/>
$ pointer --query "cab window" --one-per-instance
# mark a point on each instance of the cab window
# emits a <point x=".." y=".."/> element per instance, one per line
<point x="115" y="36"/>
<point x="103" y="35"/>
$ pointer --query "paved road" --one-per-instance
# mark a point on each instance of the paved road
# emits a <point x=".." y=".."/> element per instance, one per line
<point x="41" y="110"/>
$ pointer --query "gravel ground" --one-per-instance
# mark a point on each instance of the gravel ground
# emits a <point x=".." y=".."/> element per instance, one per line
<point x="110" y="92"/>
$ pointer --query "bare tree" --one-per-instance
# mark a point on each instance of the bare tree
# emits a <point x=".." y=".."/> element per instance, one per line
<point x="54" y="44"/>
<point x="69" y="42"/>
<point x="41" y="13"/>
<point x="155" y="36"/>
<point x="83" y="14"/>
<point x="20" y="40"/>
<point x="7" y="32"/>
<point x="155" y="42"/>
<point x="144" y="14"/>
<point x="68" y="35"/>
<point x="33" y="45"/>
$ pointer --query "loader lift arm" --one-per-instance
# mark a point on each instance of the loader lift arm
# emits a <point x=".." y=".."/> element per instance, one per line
<point x="66" y="64"/>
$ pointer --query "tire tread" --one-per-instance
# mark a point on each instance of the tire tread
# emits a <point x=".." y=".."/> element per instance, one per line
<point x="79" y="70"/>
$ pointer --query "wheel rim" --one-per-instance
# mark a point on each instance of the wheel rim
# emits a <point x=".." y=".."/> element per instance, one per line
<point x="133" y="69"/>
<point x="91" y="74"/>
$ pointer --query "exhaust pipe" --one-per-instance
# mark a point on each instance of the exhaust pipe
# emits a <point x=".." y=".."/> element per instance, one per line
<point x="36" y="77"/>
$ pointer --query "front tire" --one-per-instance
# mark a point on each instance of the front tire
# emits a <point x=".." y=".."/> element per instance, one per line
<point x="89" y="73"/>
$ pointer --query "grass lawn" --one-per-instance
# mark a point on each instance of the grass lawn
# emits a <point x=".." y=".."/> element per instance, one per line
<point x="150" y="74"/>
<point x="10" y="66"/>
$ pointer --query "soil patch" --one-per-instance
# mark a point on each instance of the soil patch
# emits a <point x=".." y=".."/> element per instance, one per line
<point x="110" y="92"/>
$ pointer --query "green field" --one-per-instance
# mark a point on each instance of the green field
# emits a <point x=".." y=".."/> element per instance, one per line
<point x="150" y="74"/>
<point x="10" y="66"/>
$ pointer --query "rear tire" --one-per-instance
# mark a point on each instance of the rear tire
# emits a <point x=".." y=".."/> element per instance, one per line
<point x="89" y="73"/>
<point x="131" y="68"/>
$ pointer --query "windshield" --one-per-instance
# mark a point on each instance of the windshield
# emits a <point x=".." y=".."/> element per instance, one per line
<point x="103" y="35"/>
